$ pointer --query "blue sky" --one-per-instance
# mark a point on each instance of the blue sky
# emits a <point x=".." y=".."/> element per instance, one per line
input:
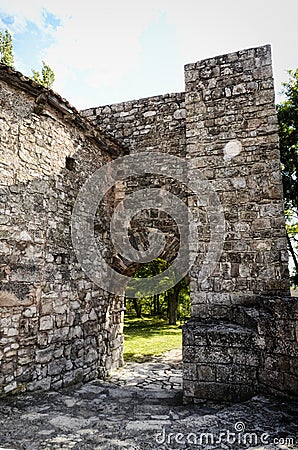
<point x="109" y="51"/>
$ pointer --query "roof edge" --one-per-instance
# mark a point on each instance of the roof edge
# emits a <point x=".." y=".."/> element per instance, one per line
<point x="45" y="96"/>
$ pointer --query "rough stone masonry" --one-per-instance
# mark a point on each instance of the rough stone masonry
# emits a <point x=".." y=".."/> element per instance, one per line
<point x="56" y="326"/>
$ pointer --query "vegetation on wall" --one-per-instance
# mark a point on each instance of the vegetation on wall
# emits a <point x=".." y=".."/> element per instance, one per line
<point x="47" y="76"/>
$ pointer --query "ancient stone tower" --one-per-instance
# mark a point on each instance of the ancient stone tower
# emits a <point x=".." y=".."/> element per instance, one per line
<point x="56" y="325"/>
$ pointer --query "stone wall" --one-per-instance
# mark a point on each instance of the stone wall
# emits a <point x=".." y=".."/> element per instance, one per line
<point x="154" y="124"/>
<point x="149" y="124"/>
<point x="277" y="326"/>
<point x="226" y="126"/>
<point x="256" y="352"/>
<point x="56" y="326"/>
<point x="231" y="137"/>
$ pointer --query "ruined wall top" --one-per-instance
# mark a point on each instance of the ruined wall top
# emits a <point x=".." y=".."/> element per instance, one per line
<point x="148" y="124"/>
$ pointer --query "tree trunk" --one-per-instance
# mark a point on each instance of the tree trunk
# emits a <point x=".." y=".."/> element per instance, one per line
<point x="292" y="253"/>
<point x="173" y="304"/>
<point x="157" y="305"/>
<point x="138" y="308"/>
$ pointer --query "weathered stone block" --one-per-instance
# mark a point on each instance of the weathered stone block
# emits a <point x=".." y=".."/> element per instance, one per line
<point x="218" y="391"/>
<point x="43" y="384"/>
<point x="57" y="366"/>
<point x="46" y="323"/>
<point x="206" y="373"/>
<point x="236" y="374"/>
<point x="45" y="355"/>
<point x="189" y="371"/>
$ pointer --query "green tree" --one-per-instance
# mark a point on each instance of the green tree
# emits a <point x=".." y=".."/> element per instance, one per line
<point x="6" y="48"/>
<point x="172" y="303"/>
<point x="47" y="76"/>
<point x="287" y="113"/>
<point x="151" y="304"/>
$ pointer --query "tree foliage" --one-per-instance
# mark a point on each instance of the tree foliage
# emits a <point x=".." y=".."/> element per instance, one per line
<point x="6" y="48"/>
<point x="287" y="113"/>
<point x="47" y="76"/>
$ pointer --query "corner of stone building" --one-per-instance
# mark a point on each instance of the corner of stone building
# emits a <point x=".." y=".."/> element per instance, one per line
<point x="231" y="135"/>
<point x="52" y="321"/>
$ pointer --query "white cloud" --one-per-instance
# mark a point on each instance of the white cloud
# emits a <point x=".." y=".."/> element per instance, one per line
<point x="23" y="11"/>
<point x="100" y="39"/>
<point x="97" y="42"/>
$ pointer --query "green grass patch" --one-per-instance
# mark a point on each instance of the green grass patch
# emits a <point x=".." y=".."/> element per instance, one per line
<point x="147" y="337"/>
